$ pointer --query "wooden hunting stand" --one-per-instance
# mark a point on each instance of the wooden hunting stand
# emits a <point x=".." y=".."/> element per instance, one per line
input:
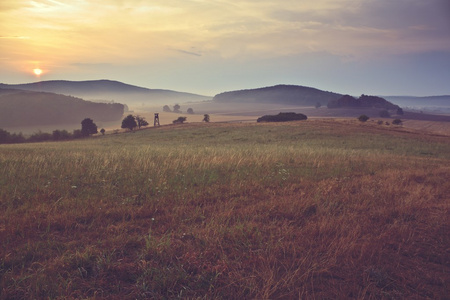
<point x="156" y="122"/>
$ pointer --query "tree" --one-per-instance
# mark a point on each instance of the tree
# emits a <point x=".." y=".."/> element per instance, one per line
<point x="129" y="122"/>
<point x="141" y="121"/>
<point x="88" y="127"/>
<point x="103" y="131"/>
<point x="190" y="111"/>
<point x="166" y="108"/>
<point x="363" y="118"/>
<point x="180" y="120"/>
<point x="206" y="118"/>
<point x="176" y="108"/>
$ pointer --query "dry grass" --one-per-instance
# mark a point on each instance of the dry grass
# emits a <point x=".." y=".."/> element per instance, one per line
<point x="315" y="209"/>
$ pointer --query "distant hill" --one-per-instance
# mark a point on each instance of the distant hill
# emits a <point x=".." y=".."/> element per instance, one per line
<point x="26" y="108"/>
<point x="363" y="101"/>
<point x="279" y="94"/>
<point x="108" y="90"/>
<point x="429" y="101"/>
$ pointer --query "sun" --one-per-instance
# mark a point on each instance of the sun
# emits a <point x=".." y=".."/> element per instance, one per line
<point x="37" y="71"/>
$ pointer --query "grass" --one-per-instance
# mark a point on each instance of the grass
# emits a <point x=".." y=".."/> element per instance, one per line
<point x="316" y="209"/>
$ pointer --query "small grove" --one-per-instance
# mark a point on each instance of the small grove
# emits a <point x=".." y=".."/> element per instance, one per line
<point x="316" y="209"/>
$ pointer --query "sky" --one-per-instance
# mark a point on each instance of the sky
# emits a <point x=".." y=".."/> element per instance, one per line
<point x="379" y="47"/>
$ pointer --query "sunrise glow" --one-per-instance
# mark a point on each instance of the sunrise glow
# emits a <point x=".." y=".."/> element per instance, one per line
<point x="37" y="71"/>
<point x="207" y="47"/>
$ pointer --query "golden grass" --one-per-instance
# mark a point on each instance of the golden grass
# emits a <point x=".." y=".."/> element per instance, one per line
<point x="315" y="209"/>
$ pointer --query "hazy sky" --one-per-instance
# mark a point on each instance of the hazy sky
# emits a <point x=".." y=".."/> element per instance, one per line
<point x="383" y="47"/>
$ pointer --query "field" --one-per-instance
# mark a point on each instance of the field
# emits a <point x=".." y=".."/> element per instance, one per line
<point x="317" y="209"/>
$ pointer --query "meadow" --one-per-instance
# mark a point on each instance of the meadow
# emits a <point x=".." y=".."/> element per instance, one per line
<point x="317" y="209"/>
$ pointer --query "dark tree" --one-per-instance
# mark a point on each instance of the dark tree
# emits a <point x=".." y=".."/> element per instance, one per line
<point x="129" y="122"/>
<point x="141" y="121"/>
<point x="88" y="127"/>
<point x="190" y="111"/>
<point x="206" y="118"/>
<point x="363" y="118"/>
<point x="77" y="134"/>
<point x="176" y="108"/>
<point x="103" y="131"/>
<point x="180" y="120"/>
<point x="166" y="108"/>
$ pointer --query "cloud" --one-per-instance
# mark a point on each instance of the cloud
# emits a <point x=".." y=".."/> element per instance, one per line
<point x="187" y="52"/>
<point x="14" y="37"/>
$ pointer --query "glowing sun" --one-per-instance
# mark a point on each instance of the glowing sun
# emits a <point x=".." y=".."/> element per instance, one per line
<point x="37" y="72"/>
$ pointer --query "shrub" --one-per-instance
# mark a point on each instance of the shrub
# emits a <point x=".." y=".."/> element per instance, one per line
<point x="397" y="122"/>
<point x="363" y="118"/>
<point x="180" y="120"/>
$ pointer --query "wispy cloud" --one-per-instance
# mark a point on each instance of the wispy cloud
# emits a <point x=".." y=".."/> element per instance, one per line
<point x="14" y="37"/>
<point x="186" y="52"/>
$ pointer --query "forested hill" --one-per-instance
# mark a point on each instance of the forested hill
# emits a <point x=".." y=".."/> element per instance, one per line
<point x="280" y="94"/>
<point x="24" y="108"/>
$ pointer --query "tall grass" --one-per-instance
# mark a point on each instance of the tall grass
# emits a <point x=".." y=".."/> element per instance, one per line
<point x="316" y="209"/>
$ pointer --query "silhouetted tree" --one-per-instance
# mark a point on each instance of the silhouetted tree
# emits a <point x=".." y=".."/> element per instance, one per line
<point x="180" y="120"/>
<point x="166" y="108"/>
<point x="141" y="121"/>
<point x="206" y="118"/>
<point x="59" y="135"/>
<point x="190" y="111"/>
<point x="77" y="134"/>
<point x="88" y="127"/>
<point x="129" y="122"/>
<point x="103" y="131"/>
<point x="176" y="108"/>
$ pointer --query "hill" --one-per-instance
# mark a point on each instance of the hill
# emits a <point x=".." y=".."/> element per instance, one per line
<point x="280" y="94"/>
<point x="25" y="108"/>
<point x="361" y="102"/>
<point x="108" y="90"/>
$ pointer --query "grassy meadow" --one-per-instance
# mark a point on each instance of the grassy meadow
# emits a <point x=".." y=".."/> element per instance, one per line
<point x="317" y="209"/>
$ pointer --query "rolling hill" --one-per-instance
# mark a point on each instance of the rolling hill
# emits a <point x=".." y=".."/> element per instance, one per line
<point x="280" y="94"/>
<point x="108" y="90"/>
<point x="27" y="108"/>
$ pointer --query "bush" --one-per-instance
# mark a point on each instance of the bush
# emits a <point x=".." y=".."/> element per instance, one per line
<point x="282" y="117"/>
<point x="363" y="118"/>
<point x="397" y="122"/>
<point x="180" y="120"/>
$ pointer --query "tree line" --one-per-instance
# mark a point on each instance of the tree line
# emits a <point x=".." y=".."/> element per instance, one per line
<point x="88" y="128"/>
